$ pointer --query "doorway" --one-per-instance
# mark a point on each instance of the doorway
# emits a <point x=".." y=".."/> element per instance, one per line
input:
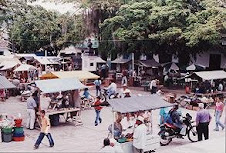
<point x="215" y="61"/>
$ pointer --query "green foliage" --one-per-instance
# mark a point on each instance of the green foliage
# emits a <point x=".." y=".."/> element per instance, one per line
<point x="168" y="26"/>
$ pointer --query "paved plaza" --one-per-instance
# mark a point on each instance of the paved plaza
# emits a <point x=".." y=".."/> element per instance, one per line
<point x="89" y="138"/>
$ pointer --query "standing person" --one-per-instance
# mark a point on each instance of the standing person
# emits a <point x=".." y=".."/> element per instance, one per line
<point x="153" y="86"/>
<point x="203" y="119"/>
<point x="31" y="107"/>
<point x="111" y="89"/>
<point x="45" y="126"/>
<point x="97" y="110"/>
<point x="220" y="87"/>
<point x="218" y="113"/>
<point x="98" y="84"/>
<point x="139" y="136"/>
<point x="125" y="92"/>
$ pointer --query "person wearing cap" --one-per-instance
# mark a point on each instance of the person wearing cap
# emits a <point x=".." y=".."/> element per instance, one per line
<point x="203" y="119"/>
<point x="139" y="135"/>
<point x="125" y="92"/>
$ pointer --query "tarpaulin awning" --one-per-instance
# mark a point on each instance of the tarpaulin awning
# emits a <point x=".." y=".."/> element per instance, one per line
<point x="57" y="85"/>
<point x="149" y="63"/>
<point x="211" y="75"/>
<point x="138" y="103"/>
<point x="5" y="65"/>
<point x="47" y="60"/>
<point x="81" y="75"/>
<point x="194" y="67"/>
<point x="99" y="60"/>
<point x="48" y="76"/>
<point x="26" y="56"/>
<point x="25" y="67"/>
<point x="120" y="61"/>
<point x="5" y="84"/>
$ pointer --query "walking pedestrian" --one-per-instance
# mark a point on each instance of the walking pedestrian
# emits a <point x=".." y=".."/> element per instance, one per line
<point x="31" y="107"/>
<point x="98" y="84"/>
<point x="97" y="110"/>
<point x="218" y="113"/>
<point x="203" y="119"/>
<point x="45" y="126"/>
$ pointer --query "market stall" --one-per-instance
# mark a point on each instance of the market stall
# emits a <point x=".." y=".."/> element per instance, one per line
<point x="62" y="105"/>
<point x="137" y="104"/>
<point x="26" y="72"/>
<point x="82" y="76"/>
<point x="5" y="84"/>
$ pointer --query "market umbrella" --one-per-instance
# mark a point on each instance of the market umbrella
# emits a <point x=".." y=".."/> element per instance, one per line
<point x="25" y="67"/>
<point x="5" y="83"/>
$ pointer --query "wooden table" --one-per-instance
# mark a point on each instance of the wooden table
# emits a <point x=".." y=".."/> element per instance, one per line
<point x="68" y="114"/>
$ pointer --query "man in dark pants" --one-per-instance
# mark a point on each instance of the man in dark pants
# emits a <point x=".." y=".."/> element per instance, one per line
<point x="203" y="119"/>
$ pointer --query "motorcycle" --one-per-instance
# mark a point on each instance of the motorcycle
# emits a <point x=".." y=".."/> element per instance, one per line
<point x="104" y="97"/>
<point x="168" y="131"/>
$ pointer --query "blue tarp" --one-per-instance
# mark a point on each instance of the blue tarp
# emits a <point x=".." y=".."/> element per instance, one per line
<point x="138" y="103"/>
<point x="5" y="84"/>
<point x="57" y="85"/>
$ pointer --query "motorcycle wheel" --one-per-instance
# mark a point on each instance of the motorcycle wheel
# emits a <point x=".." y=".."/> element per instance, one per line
<point x="192" y="134"/>
<point x="164" y="141"/>
<point x="103" y="98"/>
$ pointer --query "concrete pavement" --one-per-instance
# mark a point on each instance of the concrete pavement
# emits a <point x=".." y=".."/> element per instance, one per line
<point x="88" y="138"/>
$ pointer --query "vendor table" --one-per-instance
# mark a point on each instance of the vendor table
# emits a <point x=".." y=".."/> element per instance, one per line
<point x="70" y="113"/>
<point x="152" y="143"/>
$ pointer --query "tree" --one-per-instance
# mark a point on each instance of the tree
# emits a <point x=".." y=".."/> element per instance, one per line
<point x="170" y="27"/>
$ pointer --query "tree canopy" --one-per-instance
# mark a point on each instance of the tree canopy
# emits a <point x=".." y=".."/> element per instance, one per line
<point x="33" y="27"/>
<point x="166" y="26"/>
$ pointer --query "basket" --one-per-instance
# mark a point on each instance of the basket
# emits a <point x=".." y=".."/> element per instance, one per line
<point x="18" y="138"/>
<point x="7" y="130"/>
<point x="18" y="130"/>
<point x="6" y="137"/>
<point x="18" y="134"/>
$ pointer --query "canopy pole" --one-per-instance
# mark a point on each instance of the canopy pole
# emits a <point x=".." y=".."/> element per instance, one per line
<point x="112" y="135"/>
<point x="151" y="123"/>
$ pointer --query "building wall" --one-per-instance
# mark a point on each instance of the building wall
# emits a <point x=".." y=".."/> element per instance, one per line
<point x="89" y="63"/>
<point x="204" y="59"/>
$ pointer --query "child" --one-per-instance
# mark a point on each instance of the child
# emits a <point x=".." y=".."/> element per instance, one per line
<point x="97" y="110"/>
<point x="45" y="126"/>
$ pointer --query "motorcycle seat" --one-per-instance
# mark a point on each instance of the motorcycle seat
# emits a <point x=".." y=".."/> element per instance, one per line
<point x="170" y="126"/>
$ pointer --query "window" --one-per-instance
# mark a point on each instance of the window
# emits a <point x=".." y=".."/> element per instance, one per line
<point x="91" y="64"/>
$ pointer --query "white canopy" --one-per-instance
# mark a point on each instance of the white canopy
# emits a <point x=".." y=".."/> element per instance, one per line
<point x="8" y="64"/>
<point x="25" y="67"/>
<point x="47" y="60"/>
<point x="211" y="75"/>
<point x="5" y="83"/>
<point x="138" y="103"/>
<point x="57" y="85"/>
<point x="120" y="61"/>
<point x="174" y="67"/>
<point x="194" y="67"/>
